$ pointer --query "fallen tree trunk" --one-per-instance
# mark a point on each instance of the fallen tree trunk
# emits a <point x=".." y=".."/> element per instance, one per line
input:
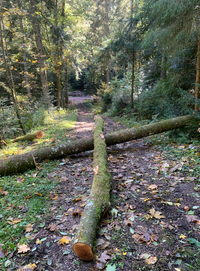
<point x="23" y="162"/>
<point x="98" y="199"/>
<point x="29" y="137"/>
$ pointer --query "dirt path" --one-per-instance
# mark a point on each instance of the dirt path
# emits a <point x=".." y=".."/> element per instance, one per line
<point x="142" y="230"/>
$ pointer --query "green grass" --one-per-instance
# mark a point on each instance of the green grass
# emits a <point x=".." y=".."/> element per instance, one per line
<point x="55" y="129"/>
<point x="28" y="191"/>
<point x="25" y="198"/>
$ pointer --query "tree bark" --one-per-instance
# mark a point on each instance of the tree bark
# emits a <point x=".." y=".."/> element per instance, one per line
<point x="41" y="58"/>
<point x="132" y="78"/>
<point x="98" y="200"/>
<point x="29" y="137"/>
<point x="9" y="73"/>
<point x="26" y="76"/>
<point x="197" y="75"/>
<point x="23" y="162"/>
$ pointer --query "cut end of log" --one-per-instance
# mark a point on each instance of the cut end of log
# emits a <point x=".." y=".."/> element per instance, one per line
<point x="83" y="251"/>
<point x="39" y="134"/>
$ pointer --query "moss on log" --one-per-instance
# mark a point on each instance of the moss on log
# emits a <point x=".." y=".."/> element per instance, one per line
<point x="29" y="137"/>
<point x="99" y="197"/>
<point x="23" y="162"/>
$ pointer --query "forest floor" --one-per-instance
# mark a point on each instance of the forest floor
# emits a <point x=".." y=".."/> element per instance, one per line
<point x="154" y="218"/>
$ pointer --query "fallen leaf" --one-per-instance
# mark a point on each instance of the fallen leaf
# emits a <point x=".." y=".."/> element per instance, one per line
<point x="38" y="241"/>
<point x="192" y="218"/>
<point x="77" y="212"/>
<point x="128" y="222"/>
<point x="16" y="221"/>
<point x="77" y="199"/>
<point x="153" y="187"/>
<point x="55" y="197"/>
<point x="104" y="257"/>
<point x="96" y="169"/>
<point x="134" y="187"/>
<point x="2" y="252"/>
<point x="52" y="227"/>
<point x="155" y="214"/>
<point x="182" y="236"/>
<point x="23" y="248"/>
<point x="102" y="136"/>
<point x="3" y="192"/>
<point x="28" y="228"/>
<point x="69" y="211"/>
<point x="28" y="267"/>
<point x="39" y="194"/>
<point x="141" y="235"/>
<point x="145" y="256"/>
<point x="20" y="179"/>
<point x="64" y="240"/>
<point x="151" y="260"/>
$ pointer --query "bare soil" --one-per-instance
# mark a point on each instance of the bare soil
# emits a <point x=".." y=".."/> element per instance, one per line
<point x="146" y="226"/>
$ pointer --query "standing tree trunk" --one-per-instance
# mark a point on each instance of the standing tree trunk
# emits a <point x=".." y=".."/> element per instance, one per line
<point x="27" y="84"/>
<point x="41" y="58"/>
<point x="197" y="75"/>
<point x="163" y="65"/>
<point x="58" y="71"/>
<point x="107" y="34"/>
<point x="132" y="78"/>
<point x="9" y="73"/>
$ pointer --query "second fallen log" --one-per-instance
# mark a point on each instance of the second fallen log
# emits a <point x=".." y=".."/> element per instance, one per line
<point x="99" y="197"/>
<point x="29" y="137"/>
<point x="23" y="162"/>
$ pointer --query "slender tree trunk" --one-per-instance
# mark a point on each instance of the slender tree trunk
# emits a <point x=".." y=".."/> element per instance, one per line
<point x="41" y="58"/>
<point x="9" y="74"/>
<point x="132" y="78"/>
<point x="107" y="34"/>
<point x="197" y="75"/>
<point x="163" y="66"/>
<point x="27" y="84"/>
<point x="58" y="63"/>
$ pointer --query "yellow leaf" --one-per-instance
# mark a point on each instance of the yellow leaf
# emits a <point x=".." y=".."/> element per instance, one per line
<point x="182" y="236"/>
<point x="156" y="214"/>
<point x="23" y="248"/>
<point x="146" y="199"/>
<point x="8" y="24"/>
<point x="38" y="241"/>
<point x="28" y="267"/>
<point x="28" y="228"/>
<point x="64" y="240"/>
<point x="16" y="60"/>
<point x="151" y="260"/>
<point x="16" y="221"/>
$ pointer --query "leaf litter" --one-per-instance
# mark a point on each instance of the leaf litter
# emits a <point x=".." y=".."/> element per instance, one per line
<point x="150" y="224"/>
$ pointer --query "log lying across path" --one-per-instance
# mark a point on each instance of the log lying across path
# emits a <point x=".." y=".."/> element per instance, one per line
<point x="99" y="197"/>
<point x="28" y="137"/>
<point x="23" y="162"/>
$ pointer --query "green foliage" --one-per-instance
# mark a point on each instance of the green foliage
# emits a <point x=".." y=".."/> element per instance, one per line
<point x="9" y="125"/>
<point x="33" y="115"/>
<point x="164" y="100"/>
<point x="105" y="92"/>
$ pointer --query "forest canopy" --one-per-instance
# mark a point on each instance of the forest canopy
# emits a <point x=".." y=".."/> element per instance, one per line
<point x="140" y="57"/>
